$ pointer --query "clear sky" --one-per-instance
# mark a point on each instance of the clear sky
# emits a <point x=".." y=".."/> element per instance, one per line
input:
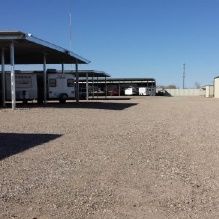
<point x="128" y="38"/>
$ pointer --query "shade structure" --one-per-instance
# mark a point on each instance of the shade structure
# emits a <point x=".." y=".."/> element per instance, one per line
<point x="23" y="48"/>
<point x="29" y="50"/>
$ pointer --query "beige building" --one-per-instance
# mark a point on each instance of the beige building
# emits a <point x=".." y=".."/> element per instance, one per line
<point x="216" y="87"/>
<point x="209" y="90"/>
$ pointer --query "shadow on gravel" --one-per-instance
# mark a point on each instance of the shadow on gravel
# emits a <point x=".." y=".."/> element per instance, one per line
<point x="81" y="105"/>
<point x="110" y="98"/>
<point x="14" y="143"/>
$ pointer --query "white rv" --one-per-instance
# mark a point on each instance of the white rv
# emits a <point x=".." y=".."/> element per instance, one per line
<point x="61" y="86"/>
<point x="29" y="86"/>
<point x="26" y="86"/>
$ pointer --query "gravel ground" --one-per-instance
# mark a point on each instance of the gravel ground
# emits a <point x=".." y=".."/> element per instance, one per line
<point x="147" y="157"/>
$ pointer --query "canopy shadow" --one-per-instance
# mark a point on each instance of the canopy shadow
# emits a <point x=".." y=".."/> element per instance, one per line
<point x="82" y="105"/>
<point x="14" y="143"/>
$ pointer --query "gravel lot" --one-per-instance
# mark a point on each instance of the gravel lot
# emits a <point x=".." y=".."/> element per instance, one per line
<point x="147" y="157"/>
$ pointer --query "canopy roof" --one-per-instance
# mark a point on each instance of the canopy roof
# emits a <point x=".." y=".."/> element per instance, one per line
<point x="31" y="50"/>
<point x="81" y="73"/>
<point x="90" y="73"/>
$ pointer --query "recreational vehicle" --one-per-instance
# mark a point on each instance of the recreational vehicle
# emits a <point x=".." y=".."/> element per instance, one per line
<point x="26" y="86"/>
<point x="30" y="86"/>
<point x="61" y="86"/>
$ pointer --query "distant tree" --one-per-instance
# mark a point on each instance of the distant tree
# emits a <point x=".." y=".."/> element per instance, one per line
<point x="171" y="86"/>
<point x="197" y="85"/>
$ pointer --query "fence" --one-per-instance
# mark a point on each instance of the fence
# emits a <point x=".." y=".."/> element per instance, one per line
<point x="185" y="92"/>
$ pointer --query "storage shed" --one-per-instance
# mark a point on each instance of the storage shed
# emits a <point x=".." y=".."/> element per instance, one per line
<point x="209" y="90"/>
<point x="216" y="87"/>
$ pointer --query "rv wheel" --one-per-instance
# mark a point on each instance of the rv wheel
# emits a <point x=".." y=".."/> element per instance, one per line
<point x="63" y="98"/>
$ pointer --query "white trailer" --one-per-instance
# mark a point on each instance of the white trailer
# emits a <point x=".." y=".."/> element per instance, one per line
<point x="26" y="86"/>
<point x="61" y="86"/>
<point x="147" y="91"/>
<point x="142" y="91"/>
<point x="29" y="86"/>
<point x="131" y="91"/>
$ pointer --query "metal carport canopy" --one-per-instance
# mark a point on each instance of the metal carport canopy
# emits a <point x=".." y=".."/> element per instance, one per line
<point x="22" y="48"/>
<point x="29" y="50"/>
<point x="89" y="73"/>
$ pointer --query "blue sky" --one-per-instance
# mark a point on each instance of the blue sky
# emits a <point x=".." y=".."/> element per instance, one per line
<point x="128" y="38"/>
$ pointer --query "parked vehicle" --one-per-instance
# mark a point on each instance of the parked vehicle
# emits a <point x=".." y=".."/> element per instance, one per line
<point x="26" y="86"/>
<point x="147" y="91"/>
<point x="30" y="86"/>
<point x="61" y="87"/>
<point x="130" y="91"/>
<point x="142" y="91"/>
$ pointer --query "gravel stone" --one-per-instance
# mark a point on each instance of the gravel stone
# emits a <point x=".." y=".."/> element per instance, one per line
<point x="146" y="157"/>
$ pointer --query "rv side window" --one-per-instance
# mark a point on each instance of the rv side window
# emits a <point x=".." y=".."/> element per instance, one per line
<point x="52" y="82"/>
<point x="70" y="83"/>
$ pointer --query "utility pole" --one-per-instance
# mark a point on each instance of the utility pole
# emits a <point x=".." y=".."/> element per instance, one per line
<point x="184" y="75"/>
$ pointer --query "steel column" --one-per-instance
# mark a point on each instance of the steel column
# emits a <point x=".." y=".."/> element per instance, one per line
<point x="62" y="68"/>
<point x="87" y="90"/>
<point x="13" y="90"/>
<point x="93" y="85"/>
<point x="105" y="88"/>
<point x="97" y="87"/>
<point x="3" y="76"/>
<point x="44" y="79"/>
<point x="77" y="83"/>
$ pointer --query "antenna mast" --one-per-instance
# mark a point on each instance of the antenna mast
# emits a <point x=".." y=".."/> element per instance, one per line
<point x="184" y="75"/>
<point x="70" y="32"/>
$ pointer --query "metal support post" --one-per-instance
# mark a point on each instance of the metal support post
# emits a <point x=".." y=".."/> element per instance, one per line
<point x="105" y="88"/>
<point x="87" y="90"/>
<point x="13" y="90"/>
<point x="93" y="85"/>
<point x="97" y="87"/>
<point x="62" y="69"/>
<point x="3" y="76"/>
<point x="44" y="79"/>
<point x="77" y="83"/>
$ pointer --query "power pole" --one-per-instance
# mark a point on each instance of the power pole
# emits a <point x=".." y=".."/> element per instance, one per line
<point x="184" y="75"/>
